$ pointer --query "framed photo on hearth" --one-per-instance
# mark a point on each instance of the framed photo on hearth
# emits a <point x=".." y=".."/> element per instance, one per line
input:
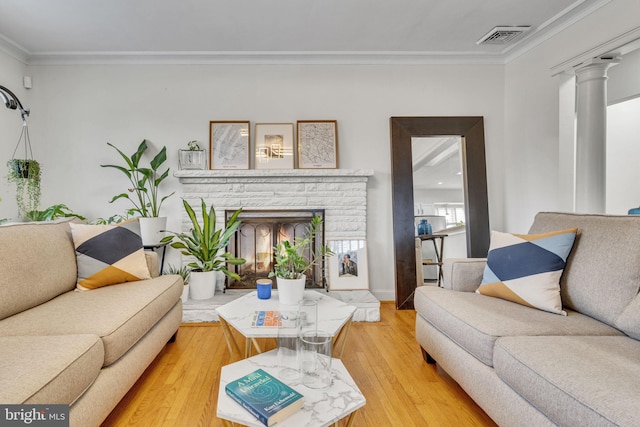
<point x="348" y="268"/>
<point x="274" y="146"/>
<point x="317" y="144"/>
<point x="229" y="144"/>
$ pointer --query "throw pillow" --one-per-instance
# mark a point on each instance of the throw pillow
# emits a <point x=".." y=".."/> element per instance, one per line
<point x="526" y="268"/>
<point x="109" y="254"/>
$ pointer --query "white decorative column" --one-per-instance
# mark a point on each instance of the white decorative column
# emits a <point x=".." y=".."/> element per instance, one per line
<point x="591" y="119"/>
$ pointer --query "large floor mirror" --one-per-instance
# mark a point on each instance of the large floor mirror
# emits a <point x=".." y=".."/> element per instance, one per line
<point x="443" y="143"/>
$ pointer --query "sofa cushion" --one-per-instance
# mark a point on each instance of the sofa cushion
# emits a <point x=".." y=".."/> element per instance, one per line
<point x="602" y="275"/>
<point x="120" y="314"/>
<point x="109" y="254"/>
<point x="47" y="246"/>
<point x="48" y="369"/>
<point x="475" y="321"/>
<point x="629" y="320"/>
<point x="526" y="268"/>
<point x="574" y="380"/>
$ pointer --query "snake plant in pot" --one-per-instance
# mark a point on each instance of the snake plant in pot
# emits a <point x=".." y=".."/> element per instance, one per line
<point x="144" y="190"/>
<point x="294" y="260"/>
<point x="207" y="244"/>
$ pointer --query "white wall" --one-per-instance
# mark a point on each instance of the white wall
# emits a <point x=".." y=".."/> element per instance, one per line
<point x="81" y="107"/>
<point x="531" y="171"/>
<point x="11" y="72"/>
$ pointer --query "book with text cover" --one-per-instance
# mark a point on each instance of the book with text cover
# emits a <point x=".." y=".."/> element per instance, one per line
<point x="265" y="397"/>
<point x="269" y="319"/>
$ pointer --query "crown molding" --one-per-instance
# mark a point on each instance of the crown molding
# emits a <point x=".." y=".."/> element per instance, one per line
<point x="14" y="50"/>
<point x="269" y="58"/>
<point x="551" y="28"/>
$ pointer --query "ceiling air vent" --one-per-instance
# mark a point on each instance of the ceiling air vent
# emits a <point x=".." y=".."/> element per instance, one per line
<point x="503" y="35"/>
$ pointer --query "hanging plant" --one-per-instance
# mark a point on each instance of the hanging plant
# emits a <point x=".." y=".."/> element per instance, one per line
<point x="26" y="175"/>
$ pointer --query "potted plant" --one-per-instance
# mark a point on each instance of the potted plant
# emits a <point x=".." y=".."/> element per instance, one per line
<point x="53" y="212"/>
<point x="293" y="260"/>
<point x="207" y="245"/>
<point x="185" y="273"/>
<point x="144" y="191"/>
<point x="192" y="158"/>
<point x="25" y="173"/>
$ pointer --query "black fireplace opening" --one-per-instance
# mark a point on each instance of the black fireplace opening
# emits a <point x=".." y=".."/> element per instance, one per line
<point x="260" y="232"/>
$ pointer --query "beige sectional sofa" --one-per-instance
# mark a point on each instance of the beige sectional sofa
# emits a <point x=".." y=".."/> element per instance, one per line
<point x="527" y="367"/>
<point x="81" y="348"/>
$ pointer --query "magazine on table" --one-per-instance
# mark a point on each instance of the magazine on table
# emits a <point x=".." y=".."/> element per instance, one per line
<point x="273" y="319"/>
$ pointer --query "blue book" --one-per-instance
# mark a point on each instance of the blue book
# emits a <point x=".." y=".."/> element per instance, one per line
<point x="265" y="397"/>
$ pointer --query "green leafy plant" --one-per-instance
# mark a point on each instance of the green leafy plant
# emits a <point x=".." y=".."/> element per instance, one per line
<point x="53" y="212"/>
<point x="183" y="271"/>
<point x="113" y="219"/>
<point x="292" y="260"/>
<point x="206" y="243"/>
<point x="145" y="181"/>
<point x="26" y="175"/>
<point x="193" y="145"/>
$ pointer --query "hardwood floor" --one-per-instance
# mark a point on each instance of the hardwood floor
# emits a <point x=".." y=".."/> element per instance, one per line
<point x="180" y="388"/>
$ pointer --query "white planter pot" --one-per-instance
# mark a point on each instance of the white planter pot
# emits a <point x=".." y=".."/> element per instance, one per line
<point x="151" y="230"/>
<point x="290" y="291"/>
<point x="185" y="293"/>
<point x="202" y="284"/>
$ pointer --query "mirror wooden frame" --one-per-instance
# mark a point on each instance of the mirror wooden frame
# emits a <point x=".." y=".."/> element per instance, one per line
<point x="471" y="129"/>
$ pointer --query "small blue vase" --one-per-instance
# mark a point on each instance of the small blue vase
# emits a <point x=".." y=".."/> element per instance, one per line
<point x="424" y="227"/>
<point x="634" y="211"/>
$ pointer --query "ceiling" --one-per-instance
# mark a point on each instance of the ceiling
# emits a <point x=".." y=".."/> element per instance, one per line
<point x="37" y="31"/>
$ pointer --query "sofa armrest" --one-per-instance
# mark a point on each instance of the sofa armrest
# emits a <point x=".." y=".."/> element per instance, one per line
<point x="462" y="274"/>
<point x="152" y="263"/>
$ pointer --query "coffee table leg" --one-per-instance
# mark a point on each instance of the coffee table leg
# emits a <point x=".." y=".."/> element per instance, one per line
<point x="344" y="333"/>
<point x="350" y="419"/>
<point x="234" y="349"/>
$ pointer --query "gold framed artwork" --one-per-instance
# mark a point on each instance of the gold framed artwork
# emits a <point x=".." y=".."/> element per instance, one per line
<point x="317" y="144"/>
<point x="274" y="146"/>
<point x="348" y="268"/>
<point x="229" y="144"/>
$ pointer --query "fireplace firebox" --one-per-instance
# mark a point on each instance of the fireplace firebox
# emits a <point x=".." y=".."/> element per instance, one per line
<point x="260" y="232"/>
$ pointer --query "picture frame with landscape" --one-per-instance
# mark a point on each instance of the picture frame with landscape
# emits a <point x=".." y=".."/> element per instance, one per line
<point x="317" y="144"/>
<point x="229" y="144"/>
<point x="274" y="146"/>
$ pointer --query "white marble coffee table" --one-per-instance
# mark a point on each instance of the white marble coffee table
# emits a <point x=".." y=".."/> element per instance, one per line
<point x="334" y="317"/>
<point x="322" y="407"/>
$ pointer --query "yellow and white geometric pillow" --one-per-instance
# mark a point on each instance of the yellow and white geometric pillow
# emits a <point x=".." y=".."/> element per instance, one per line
<point x="109" y="254"/>
<point x="526" y="268"/>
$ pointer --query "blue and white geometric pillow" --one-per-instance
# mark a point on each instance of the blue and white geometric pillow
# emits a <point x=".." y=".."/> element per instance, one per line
<point x="526" y="268"/>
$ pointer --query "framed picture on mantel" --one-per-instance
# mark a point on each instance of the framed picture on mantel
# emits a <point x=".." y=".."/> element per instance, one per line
<point x="229" y="144"/>
<point x="317" y="144"/>
<point x="274" y="146"/>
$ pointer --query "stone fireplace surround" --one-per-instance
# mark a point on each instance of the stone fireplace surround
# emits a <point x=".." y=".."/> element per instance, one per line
<point x="342" y="193"/>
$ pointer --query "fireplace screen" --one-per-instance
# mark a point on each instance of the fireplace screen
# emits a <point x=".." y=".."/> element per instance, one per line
<point x="259" y="232"/>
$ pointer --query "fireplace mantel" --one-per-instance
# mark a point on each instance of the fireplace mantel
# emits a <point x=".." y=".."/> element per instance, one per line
<point x="191" y="176"/>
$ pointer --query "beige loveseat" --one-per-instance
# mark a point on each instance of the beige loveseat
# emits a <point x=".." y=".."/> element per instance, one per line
<point x="527" y="367"/>
<point x="81" y="348"/>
